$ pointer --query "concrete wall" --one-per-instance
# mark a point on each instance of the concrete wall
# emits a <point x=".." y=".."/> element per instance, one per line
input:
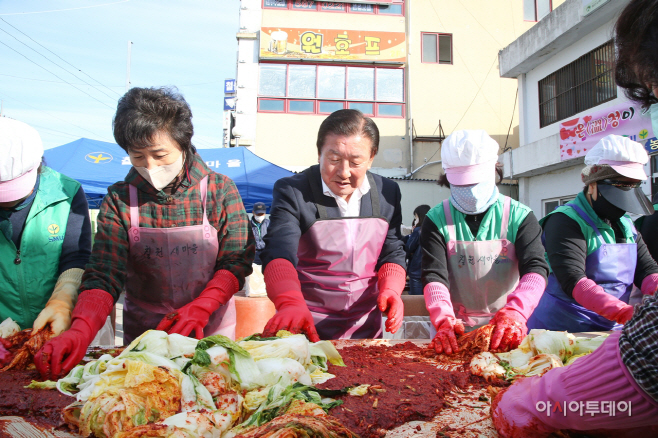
<point x="530" y="102"/>
<point x="562" y="183"/>
<point x="289" y="140"/>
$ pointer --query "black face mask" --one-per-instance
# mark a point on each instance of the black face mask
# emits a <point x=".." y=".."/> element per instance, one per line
<point x="605" y="209"/>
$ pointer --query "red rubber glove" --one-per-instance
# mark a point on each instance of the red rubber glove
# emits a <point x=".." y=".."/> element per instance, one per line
<point x="509" y="330"/>
<point x="65" y="351"/>
<point x="193" y="317"/>
<point x="592" y="296"/>
<point x="391" y="279"/>
<point x="285" y="291"/>
<point x="5" y="355"/>
<point x="445" y="340"/>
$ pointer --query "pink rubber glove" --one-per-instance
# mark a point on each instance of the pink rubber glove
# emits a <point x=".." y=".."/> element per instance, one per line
<point x="592" y="296"/>
<point x="63" y="352"/>
<point x="509" y="329"/>
<point x="649" y="284"/>
<point x="194" y="316"/>
<point x="442" y="315"/>
<point x="391" y="279"/>
<point x="526" y="296"/>
<point x="285" y="291"/>
<point x="522" y="410"/>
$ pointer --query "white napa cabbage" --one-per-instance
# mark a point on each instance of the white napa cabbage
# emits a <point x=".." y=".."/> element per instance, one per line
<point x="272" y="369"/>
<point x="540" y="364"/>
<point x="588" y="345"/>
<point x="560" y="344"/>
<point x="293" y="347"/>
<point x="8" y="328"/>
<point x="485" y="364"/>
<point x="323" y="352"/>
<point x="162" y="344"/>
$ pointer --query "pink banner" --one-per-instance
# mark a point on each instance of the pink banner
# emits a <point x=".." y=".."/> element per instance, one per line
<point x="579" y="135"/>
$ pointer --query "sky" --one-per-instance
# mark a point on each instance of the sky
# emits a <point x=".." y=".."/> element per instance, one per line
<point x="63" y="63"/>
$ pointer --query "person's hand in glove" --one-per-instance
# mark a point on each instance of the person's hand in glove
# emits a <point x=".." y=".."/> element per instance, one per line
<point x="391" y="279"/>
<point x="285" y="291"/>
<point x="194" y="316"/>
<point x="58" y="310"/>
<point x="445" y="340"/>
<point x="509" y="329"/>
<point x="592" y="296"/>
<point x="59" y="355"/>
<point x="5" y="355"/>
<point x="442" y="315"/>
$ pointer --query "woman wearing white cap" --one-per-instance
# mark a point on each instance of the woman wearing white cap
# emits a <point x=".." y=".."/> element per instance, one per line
<point x="45" y="233"/>
<point x="593" y="249"/>
<point x="483" y="261"/>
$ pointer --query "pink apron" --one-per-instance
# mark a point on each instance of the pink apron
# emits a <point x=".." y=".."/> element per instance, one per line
<point x="167" y="269"/>
<point x="336" y="268"/>
<point x="481" y="273"/>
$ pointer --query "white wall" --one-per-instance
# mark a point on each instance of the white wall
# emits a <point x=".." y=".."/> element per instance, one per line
<point x="415" y="193"/>
<point x="529" y="96"/>
<point x="561" y="183"/>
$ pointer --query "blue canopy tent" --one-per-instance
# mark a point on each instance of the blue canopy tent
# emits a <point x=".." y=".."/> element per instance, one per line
<point x="98" y="164"/>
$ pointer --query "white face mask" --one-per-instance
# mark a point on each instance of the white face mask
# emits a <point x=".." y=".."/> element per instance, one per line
<point x="474" y="198"/>
<point x="259" y="219"/>
<point x="160" y="176"/>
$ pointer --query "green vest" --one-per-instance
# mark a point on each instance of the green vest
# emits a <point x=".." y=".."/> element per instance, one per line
<point x="27" y="286"/>
<point x="490" y="226"/>
<point x="593" y="243"/>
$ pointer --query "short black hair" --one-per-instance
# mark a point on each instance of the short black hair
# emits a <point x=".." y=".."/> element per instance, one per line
<point x="421" y="212"/>
<point x="636" y="37"/>
<point x="349" y="122"/>
<point x="142" y="113"/>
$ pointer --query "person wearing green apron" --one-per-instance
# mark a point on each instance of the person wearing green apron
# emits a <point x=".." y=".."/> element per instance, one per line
<point x="594" y="251"/>
<point x="45" y="234"/>
<point x="482" y="255"/>
<point x="618" y="383"/>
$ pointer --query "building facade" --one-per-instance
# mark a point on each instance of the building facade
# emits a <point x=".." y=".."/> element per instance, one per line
<point x="420" y="68"/>
<point x="568" y="100"/>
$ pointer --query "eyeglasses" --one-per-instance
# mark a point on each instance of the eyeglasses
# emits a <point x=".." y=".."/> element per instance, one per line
<point x="620" y="184"/>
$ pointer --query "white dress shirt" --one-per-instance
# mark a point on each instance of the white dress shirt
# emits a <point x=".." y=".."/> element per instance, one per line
<point x="352" y="207"/>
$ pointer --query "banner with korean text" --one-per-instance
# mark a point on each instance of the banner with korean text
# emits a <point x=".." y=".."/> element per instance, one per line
<point x="332" y="45"/>
<point x="579" y="135"/>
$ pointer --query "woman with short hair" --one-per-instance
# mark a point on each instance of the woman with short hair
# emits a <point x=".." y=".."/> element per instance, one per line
<point x="174" y="234"/>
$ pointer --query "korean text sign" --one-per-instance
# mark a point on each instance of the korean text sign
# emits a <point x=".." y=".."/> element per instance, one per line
<point x="579" y="135"/>
<point x="332" y="44"/>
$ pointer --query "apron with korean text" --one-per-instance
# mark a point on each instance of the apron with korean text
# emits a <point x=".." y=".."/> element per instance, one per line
<point x="336" y="269"/>
<point x="482" y="273"/>
<point x="167" y="269"/>
<point x="611" y="266"/>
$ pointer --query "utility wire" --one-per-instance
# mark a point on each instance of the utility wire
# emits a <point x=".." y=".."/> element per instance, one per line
<point x="58" y="118"/>
<point x="39" y="65"/>
<point x="48" y="59"/>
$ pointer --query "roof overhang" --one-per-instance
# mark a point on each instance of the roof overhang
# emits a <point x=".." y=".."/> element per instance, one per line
<point x="562" y="27"/>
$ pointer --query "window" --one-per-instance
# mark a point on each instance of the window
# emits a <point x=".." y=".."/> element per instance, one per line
<point x="535" y="10"/>
<point x="583" y="84"/>
<point x="397" y="8"/>
<point x="323" y="89"/>
<point x="552" y="204"/>
<point x="436" y="48"/>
